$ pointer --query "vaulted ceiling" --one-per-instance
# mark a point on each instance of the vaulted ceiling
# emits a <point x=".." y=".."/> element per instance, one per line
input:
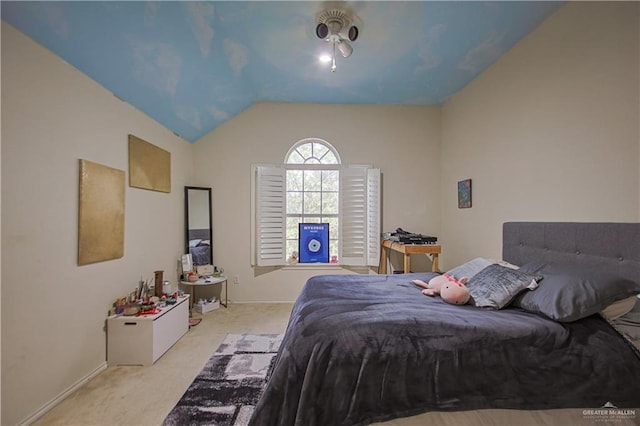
<point x="193" y="65"/>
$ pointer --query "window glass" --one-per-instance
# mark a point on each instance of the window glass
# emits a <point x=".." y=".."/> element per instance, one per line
<point x="312" y="203"/>
<point x="312" y="180"/>
<point x="305" y="150"/>
<point x="294" y="180"/>
<point x="292" y="233"/>
<point x="294" y="202"/>
<point x="333" y="228"/>
<point x="295" y="158"/>
<point x="330" y="180"/>
<point x="330" y="203"/>
<point x="319" y="151"/>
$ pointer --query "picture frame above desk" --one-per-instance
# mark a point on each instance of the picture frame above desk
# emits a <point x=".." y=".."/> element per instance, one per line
<point x="387" y="246"/>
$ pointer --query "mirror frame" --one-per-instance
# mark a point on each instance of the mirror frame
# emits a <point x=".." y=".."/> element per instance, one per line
<point x="186" y="218"/>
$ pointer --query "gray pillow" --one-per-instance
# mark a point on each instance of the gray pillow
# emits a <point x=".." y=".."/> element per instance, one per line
<point x="570" y="293"/>
<point x="472" y="267"/>
<point x="495" y="286"/>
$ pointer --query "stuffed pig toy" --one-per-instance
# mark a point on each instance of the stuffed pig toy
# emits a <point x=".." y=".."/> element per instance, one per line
<point x="450" y="289"/>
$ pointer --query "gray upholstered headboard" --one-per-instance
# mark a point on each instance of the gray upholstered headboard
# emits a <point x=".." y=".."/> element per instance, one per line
<point x="199" y="234"/>
<point x="613" y="247"/>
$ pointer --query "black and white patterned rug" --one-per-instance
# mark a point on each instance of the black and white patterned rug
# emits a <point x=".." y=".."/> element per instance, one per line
<point x="230" y="384"/>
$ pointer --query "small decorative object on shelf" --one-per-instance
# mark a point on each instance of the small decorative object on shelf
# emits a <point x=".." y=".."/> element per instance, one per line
<point x="158" y="283"/>
<point x="142" y="301"/>
<point x="204" y="306"/>
<point x="131" y="309"/>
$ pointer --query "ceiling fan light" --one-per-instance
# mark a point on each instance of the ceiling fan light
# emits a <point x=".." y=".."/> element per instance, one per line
<point x="353" y="33"/>
<point x="345" y="48"/>
<point x="322" y="30"/>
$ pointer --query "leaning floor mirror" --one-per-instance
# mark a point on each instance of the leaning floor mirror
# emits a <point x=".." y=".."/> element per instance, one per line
<point x="198" y="224"/>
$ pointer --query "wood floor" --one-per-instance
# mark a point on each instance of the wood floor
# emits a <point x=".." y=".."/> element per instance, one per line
<point x="143" y="396"/>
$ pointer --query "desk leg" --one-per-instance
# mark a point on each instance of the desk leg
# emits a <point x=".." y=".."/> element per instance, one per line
<point x="226" y="295"/>
<point x="407" y="263"/>
<point x="382" y="269"/>
<point x="434" y="262"/>
<point x="193" y="292"/>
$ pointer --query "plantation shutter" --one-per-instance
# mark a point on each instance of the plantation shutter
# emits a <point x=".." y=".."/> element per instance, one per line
<point x="270" y="216"/>
<point x="373" y="216"/>
<point x="359" y="216"/>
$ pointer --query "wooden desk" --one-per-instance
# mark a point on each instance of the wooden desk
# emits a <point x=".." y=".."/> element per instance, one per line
<point x="407" y="250"/>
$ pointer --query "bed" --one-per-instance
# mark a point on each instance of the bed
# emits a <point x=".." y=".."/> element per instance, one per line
<point x="200" y="246"/>
<point x="365" y="348"/>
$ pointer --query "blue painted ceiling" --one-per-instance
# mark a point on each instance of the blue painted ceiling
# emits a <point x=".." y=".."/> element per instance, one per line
<point x="193" y="65"/>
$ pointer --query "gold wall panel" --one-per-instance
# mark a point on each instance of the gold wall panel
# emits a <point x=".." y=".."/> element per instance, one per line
<point x="100" y="213"/>
<point x="149" y="166"/>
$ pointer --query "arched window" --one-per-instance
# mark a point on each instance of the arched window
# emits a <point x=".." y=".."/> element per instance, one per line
<point x="312" y="151"/>
<point x="313" y="186"/>
<point x="312" y="191"/>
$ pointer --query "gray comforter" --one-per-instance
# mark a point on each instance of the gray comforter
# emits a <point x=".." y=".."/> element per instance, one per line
<point x="365" y="348"/>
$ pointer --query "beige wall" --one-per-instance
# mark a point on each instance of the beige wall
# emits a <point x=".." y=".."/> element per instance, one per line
<point x="402" y="141"/>
<point x="53" y="311"/>
<point x="549" y="132"/>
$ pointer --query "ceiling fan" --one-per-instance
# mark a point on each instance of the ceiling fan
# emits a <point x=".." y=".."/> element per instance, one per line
<point x="336" y="26"/>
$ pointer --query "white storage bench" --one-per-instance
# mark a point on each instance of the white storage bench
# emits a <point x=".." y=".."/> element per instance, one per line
<point x="141" y="340"/>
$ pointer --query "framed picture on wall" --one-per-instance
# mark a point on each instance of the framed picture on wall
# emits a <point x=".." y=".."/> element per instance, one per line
<point x="464" y="194"/>
<point x="100" y="213"/>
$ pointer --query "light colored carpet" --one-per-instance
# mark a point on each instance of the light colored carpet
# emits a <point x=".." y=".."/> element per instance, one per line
<point x="140" y="396"/>
<point x="143" y="396"/>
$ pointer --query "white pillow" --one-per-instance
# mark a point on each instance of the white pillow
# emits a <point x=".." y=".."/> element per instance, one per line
<point x="194" y="243"/>
<point x="619" y="308"/>
<point x="505" y="264"/>
<point x="472" y="267"/>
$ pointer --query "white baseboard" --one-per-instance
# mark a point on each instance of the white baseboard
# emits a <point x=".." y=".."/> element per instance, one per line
<point x="58" y="399"/>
